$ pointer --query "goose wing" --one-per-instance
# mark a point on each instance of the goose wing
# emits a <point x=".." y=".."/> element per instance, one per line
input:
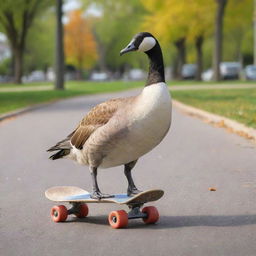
<point x="96" y="118"/>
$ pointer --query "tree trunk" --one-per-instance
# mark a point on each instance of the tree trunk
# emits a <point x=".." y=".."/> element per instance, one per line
<point x="199" y="57"/>
<point x="18" y="65"/>
<point x="254" y="33"/>
<point x="181" y="58"/>
<point x="59" y="80"/>
<point x="175" y="67"/>
<point x="217" y="56"/>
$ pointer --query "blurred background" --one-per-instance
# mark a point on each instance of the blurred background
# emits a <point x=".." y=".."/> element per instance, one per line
<point x="209" y="40"/>
<point x="56" y="49"/>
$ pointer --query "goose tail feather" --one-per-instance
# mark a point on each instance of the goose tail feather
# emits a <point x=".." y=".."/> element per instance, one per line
<point x="63" y="147"/>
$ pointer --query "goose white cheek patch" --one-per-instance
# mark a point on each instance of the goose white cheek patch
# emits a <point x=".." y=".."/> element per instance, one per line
<point x="147" y="44"/>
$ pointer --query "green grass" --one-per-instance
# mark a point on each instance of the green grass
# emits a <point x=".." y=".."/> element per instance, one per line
<point x="238" y="104"/>
<point x="193" y="82"/>
<point x="10" y="101"/>
<point x="171" y="83"/>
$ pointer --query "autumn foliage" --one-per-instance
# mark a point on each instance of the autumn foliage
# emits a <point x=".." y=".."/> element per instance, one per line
<point x="80" y="46"/>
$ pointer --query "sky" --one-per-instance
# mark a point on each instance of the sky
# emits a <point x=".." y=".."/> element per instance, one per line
<point x="76" y="4"/>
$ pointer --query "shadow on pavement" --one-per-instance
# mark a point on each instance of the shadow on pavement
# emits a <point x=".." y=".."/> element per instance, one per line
<point x="98" y="220"/>
<point x="168" y="222"/>
<point x="205" y="220"/>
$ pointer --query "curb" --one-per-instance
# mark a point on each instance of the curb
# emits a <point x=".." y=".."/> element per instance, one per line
<point x="18" y="112"/>
<point x="218" y="121"/>
<point x="21" y="111"/>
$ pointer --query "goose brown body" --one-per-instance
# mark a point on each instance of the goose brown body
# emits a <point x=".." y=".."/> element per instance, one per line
<point x="122" y="130"/>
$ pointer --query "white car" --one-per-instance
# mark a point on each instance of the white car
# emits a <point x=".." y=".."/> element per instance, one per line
<point x="188" y="71"/>
<point x="207" y="75"/>
<point x="99" y="76"/>
<point x="228" y="70"/>
<point x="250" y="72"/>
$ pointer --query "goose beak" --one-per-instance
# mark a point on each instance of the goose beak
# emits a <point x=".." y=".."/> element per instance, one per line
<point x="131" y="47"/>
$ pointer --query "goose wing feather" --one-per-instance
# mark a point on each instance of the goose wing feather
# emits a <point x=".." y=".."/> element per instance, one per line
<point x="97" y="117"/>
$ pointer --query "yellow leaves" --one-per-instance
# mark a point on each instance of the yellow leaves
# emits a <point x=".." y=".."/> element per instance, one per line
<point x="173" y="19"/>
<point x="80" y="46"/>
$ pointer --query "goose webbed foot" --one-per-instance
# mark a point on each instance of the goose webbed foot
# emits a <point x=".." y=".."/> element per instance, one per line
<point x="98" y="195"/>
<point x="133" y="191"/>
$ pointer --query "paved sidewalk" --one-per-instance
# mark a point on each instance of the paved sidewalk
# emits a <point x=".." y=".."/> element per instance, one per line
<point x="194" y="221"/>
<point x="27" y="88"/>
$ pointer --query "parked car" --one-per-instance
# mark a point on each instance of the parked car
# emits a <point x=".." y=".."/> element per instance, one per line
<point x="250" y="72"/>
<point x="36" y="76"/>
<point x="188" y="71"/>
<point x="230" y="70"/>
<point x="5" y="79"/>
<point x="135" y="75"/>
<point x="99" y="76"/>
<point x="207" y="75"/>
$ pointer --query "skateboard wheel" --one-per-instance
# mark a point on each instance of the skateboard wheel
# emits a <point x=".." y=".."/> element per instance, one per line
<point x="59" y="213"/>
<point x="118" y="219"/>
<point x="152" y="214"/>
<point x="83" y="211"/>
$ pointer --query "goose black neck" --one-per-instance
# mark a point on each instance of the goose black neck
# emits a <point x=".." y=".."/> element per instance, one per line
<point x="156" y="66"/>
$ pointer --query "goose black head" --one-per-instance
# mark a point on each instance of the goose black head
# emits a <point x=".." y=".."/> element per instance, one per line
<point x="142" y="42"/>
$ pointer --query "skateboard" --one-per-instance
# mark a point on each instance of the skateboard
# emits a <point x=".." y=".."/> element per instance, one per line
<point x="79" y="199"/>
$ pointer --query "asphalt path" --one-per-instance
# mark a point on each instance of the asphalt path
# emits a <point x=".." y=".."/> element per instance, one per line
<point x="194" y="221"/>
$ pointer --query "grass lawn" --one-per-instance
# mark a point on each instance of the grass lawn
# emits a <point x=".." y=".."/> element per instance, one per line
<point x="78" y="84"/>
<point x="203" y="83"/>
<point x="10" y="101"/>
<point x="238" y="104"/>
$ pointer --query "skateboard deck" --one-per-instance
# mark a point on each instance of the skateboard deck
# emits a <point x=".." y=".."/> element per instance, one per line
<point x="76" y="194"/>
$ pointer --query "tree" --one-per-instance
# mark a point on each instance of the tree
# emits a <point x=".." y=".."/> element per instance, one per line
<point x="59" y="61"/>
<point x="181" y="22"/>
<point x="169" y="26"/>
<point x="80" y="46"/>
<point x="217" y="56"/>
<point x="39" y="54"/>
<point x="254" y="33"/>
<point x="17" y="17"/>
<point x="199" y="16"/>
<point x="235" y="31"/>
<point x="114" y="29"/>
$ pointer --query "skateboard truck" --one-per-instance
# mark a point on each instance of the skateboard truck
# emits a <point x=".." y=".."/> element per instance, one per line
<point x="135" y="212"/>
<point x="75" y="209"/>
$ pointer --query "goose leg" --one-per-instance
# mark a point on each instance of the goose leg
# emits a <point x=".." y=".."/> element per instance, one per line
<point x="132" y="190"/>
<point x="96" y="193"/>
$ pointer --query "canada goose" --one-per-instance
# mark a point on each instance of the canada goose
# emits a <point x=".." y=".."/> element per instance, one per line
<point x="119" y="131"/>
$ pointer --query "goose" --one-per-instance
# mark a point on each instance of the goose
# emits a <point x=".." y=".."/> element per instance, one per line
<point x="120" y="131"/>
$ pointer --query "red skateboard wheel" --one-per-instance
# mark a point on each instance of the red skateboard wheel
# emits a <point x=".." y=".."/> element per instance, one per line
<point x="59" y="213"/>
<point x="83" y="211"/>
<point x="152" y="214"/>
<point x="118" y="219"/>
